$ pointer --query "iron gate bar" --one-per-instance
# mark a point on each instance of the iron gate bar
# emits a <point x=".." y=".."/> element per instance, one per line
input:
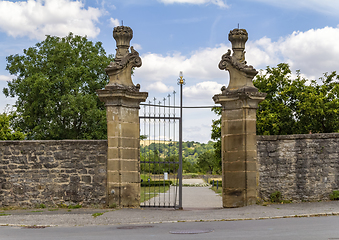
<point x="145" y="104"/>
<point x="161" y="118"/>
<point x="156" y="162"/>
<point x="155" y="116"/>
<point x="181" y="82"/>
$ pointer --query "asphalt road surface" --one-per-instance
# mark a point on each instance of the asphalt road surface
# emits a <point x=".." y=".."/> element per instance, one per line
<point x="316" y="228"/>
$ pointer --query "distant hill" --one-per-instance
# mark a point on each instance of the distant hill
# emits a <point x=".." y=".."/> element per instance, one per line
<point x="190" y="149"/>
<point x="149" y="142"/>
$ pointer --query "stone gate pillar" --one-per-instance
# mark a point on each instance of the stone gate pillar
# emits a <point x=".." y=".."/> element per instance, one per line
<point x="238" y="126"/>
<point x="122" y="99"/>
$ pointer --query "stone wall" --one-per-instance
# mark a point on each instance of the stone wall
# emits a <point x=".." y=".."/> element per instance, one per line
<point x="52" y="172"/>
<point x="301" y="167"/>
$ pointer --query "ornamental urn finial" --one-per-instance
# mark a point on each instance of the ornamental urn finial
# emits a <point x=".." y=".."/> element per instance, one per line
<point x="122" y="36"/>
<point x="238" y="38"/>
<point x="119" y="71"/>
<point x="241" y="75"/>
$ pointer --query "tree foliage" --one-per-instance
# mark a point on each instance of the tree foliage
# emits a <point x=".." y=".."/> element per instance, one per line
<point x="297" y="106"/>
<point x="7" y="131"/>
<point x="168" y="152"/>
<point x="292" y="106"/>
<point x="55" y="85"/>
<point x="208" y="162"/>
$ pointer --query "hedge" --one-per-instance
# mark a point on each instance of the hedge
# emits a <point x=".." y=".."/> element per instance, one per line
<point x="215" y="183"/>
<point x="156" y="183"/>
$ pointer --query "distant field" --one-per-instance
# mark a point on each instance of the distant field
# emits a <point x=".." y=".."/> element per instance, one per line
<point x="149" y="142"/>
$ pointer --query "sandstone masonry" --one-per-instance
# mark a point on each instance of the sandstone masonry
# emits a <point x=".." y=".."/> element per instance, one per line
<point x="52" y="172"/>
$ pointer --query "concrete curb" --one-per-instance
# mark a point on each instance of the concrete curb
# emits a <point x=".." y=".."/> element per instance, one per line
<point x="183" y="221"/>
<point x="245" y="219"/>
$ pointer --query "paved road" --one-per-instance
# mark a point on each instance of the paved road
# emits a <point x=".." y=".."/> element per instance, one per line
<point x="288" y="228"/>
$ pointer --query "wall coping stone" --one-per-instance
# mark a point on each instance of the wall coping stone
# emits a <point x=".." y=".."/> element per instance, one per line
<point x="297" y="136"/>
<point x="50" y="141"/>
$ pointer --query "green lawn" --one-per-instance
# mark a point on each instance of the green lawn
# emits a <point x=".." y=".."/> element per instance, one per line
<point x="147" y="193"/>
<point x="218" y="191"/>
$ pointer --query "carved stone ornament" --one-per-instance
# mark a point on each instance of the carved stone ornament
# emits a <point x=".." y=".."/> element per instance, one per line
<point x="241" y="75"/>
<point x="120" y="71"/>
<point x="131" y="58"/>
<point x="227" y="60"/>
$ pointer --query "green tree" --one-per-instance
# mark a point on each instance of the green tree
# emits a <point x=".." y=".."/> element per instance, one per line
<point x="297" y="106"/>
<point x="7" y="131"/>
<point x="55" y="85"/>
<point x="209" y="163"/>
<point x="275" y="113"/>
<point x="317" y="108"/>
<point x="216" y="132"/>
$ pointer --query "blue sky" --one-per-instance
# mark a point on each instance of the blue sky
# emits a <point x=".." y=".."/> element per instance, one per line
<point x="184" y="35"/>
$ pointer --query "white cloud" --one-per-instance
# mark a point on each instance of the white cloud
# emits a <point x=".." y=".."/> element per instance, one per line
<point x="202" y="65"/>
<point x="137" y="46"/>
<point x="105" y="5"/>
<point x="323" y="6"/>
<point x="314" y="52"/>
<point x="5" y="78"/>
<point x="159" y="87"/>
<point x="219" y="3"/>
<point x="202" y="90"/>
<point x="37" y="18"/>
<point x="114" y="22"/>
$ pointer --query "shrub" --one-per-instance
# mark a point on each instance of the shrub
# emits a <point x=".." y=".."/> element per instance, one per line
<point x="41" y="205"/>
<point x="156" y="183"/>
<point x="276" y="196"/>
<point x="215" y="183"/>
<point x="74" y="206"/>
<point x="113" y="205"/>
<point x="334" y="195"/>
<point x="145" y="177"/>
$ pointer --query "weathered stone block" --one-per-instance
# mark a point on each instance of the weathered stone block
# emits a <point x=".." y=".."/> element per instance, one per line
<point x="234" y="142"/>
<point x="113" y="177"/>
<point x="234" y="126"/>
<point x="19" y="159"/>
<point x="130" y="165"/>
<point x="238" y="165"/>
<point x="130" y="142"/>
<point x="130" y="195"/>
<point x="130" y="177"/>
<point x="74" y="178"/>
<point x="11" y="166"/>
<point x="233" y="156"/>
<point x="7" y="185"/>
<point x="130" y="130"/>
<point x="113" y="153"/>
<point x="129" y="153"/>
<point x="51" y="165"/>
<point x="86" y="179"/>
<point x="251" y="166"/>
<point x="236" y="180"/>
<point x="233" y="198"/>
<point x="46" y="159"/>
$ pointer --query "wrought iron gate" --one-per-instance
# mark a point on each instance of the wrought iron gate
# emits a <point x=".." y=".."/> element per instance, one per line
<point x="161" y="153"/>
